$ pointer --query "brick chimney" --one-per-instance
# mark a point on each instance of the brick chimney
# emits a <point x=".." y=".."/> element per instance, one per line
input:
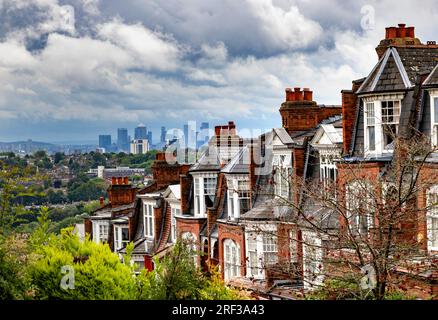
<point x="349" y="104"/>
<point x="400" y="36"/>
<point x="299" y="112"/>
<point x="121" y="191"/>
<point x="167" y="172"/>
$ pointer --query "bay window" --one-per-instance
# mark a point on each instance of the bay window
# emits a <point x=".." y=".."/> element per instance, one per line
<point x="390" y="121"/>
<point x="434" y="116"/>
<point x="100" y="231"/>
<point x="174" y="212"/>
<point x="261" y="250"/>
<point x="381" y="121"/>
<point x="148" y="212"/>
<point x="238" y="197"/>
<point x="121" y="235"/>
<point x="231" y="259"/>
<point x="360" y="208"/>
<point x="370" y="117"/>
<point x="432" y="218"/>
<point x="204" y="192"/>
<point x="282" y="166"/>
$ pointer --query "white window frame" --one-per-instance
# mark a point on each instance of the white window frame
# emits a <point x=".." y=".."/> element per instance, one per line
<point x="433" y="121"/>
<point x="118" y="233"/>
<point x="237" y="186"/>
<point x="353" y="203"/>
<point x="282" y="165"/>
<point x="432" y="218"/>
<point x="149" y="219"/>
<point x="199" y="185"/>
<point x="98" y="226"/>
<point x="312" y="260"/>
<point x="255" y="244"/>
<point x="175" y="210"/>
<point x="378" y="122"/>
<point x="231" y="259"/>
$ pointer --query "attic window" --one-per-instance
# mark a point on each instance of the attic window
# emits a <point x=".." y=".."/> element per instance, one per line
<point x="381" y="119"/>
<point x="390" y="121"/>
<point x="434" y="117"/>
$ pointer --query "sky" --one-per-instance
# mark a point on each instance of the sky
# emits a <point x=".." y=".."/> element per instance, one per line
<point x="73" y="69"/>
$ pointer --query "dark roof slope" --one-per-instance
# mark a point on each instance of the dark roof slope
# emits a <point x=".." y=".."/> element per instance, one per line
<point x="418" y="60"/>
<point x="432" y="79"/>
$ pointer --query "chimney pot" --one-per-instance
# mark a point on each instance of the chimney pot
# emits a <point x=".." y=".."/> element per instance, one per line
<point x="119" y="180"/>
<point x="308" y="95"/>
<point x="102" y="201"/>
<point x="290" y="96"/>
<point x="126" y="180"/>
<point x="298" y="94"/>
<point x="217" y="130"/>
<point x="113" y="180"/>
<point x="402" y="25"/>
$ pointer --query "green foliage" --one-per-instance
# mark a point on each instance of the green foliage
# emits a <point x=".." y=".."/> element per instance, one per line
<point x="14" y="186"/>
<point x="12" y="278"/>
<point x="90" y="190"/>
<point x="176" y="277"/>
<point x="98" y="272"/>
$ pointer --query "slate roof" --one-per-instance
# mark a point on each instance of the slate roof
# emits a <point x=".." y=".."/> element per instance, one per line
<point x="432" y="79"/>
<point x="239" y="164"/>
<point x="209" y="161"/>
<point x="399" y="70"/>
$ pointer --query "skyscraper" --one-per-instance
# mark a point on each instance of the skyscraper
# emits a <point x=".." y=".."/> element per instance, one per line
<point x="122" y="139"/>
<point x="163" y="135"/>
<point x="141" y="132"/>
<point x="149" y="137"/>
<point x="104" y="141"/>
<point x="204" y="134"/>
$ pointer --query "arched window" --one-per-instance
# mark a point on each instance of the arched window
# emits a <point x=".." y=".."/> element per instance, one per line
<point x="231" y="259"/>
<point x="432" y="218"/>
<point x="359" y="198"/>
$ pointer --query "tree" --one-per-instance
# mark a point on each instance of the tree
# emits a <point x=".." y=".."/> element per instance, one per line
<point x="67" y="268"/>
<point x="14" y="182"/>
<point x="175" y="277"/>
<point x="366" y="230"/>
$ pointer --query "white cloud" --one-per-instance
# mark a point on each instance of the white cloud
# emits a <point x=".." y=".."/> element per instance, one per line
<point x="149" y="49"/>
<point x="287" y="28"/>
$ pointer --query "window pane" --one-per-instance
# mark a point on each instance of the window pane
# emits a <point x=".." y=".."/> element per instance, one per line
<point x="371" y="138"/>
<point x="435" y="110"/>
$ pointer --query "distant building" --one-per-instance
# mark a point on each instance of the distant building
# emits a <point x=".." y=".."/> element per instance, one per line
<point x="139" y="146"/>
<point x="140" y="132"/>
<point x="122" y="139"/>
<point x="109" y="173"/>
<point x="163" y="135"/>
<point x="149" y="137"/>
<point x="104" y="141"/>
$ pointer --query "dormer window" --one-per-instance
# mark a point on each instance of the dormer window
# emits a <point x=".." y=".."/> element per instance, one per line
<point x="204" y="192"/>
<point x="282" y="167"/>
<point x="148" y="212"/>
<point x="434" y="116"/>
<point x="390" y="121"/>
<point x="381" y="119"/>
<point x="238" y="197"/>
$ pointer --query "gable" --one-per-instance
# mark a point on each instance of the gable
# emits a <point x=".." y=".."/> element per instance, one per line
<point x="389" y="74"/>
<point x="390" y="78"/>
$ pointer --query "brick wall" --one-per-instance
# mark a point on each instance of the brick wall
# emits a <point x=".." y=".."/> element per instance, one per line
<point x="237" y="234"/>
